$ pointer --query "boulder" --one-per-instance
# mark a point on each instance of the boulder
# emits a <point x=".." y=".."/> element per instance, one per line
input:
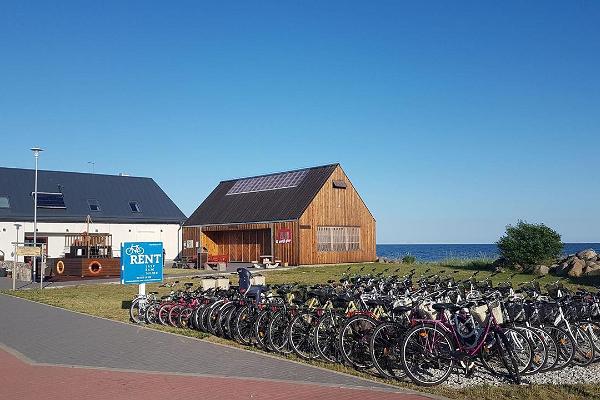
<point x="562" y="269"/>
<point x="595" y="272"/>
<point x="586" y="255"/>
<point x="590" y="266"/>
<point x="541" y="270"/>
<point x="500" y="263"/>
<point x="576" y="268"/>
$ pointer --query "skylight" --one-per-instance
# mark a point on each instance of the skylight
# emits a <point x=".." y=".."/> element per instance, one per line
<point x="50" y="200"/>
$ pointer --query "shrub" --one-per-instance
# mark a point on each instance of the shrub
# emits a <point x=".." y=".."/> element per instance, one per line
<point x="530" y="244"/>
<point x="408" y="259"/>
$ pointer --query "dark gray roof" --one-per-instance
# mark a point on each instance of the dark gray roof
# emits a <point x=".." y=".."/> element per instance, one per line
<point x="265" y="206"/>
<point x="112" y="192"/>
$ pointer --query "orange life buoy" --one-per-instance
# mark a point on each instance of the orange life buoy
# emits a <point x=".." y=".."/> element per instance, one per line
<point x="60" y="267"/>
<point x="95" y="267"/>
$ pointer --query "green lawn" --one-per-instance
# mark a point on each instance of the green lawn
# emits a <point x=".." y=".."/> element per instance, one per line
<point x="112" y="301"/>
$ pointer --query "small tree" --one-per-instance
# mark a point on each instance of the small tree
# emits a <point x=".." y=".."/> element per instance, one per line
<point x="530" y="244"/>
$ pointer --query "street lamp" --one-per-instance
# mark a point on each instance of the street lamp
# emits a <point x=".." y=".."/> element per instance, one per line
<point x="36" y="153"/>
<point x="93" y="164"/>
<point x="14" y="270"/>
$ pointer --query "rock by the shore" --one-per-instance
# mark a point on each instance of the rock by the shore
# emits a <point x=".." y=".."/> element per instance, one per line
<point x="587" y="255"/>
<point x="584" y="263"/>
<point x="541" y="270"/>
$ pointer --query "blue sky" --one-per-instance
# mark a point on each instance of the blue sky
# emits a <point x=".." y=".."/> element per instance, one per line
<point x="453" y="119"/>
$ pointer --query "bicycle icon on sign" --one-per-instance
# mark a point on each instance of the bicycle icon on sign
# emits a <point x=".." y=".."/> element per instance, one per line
<point x="134" y="249"/>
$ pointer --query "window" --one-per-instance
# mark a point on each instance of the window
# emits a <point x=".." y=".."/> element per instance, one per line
<point x="4" y="202"/>
<point x="339" y="185"/>
<point x="50" y="200"/>
<point x="268" y="182"/>
<point x="94" y="205"/>
<point x="135" y="207"/>
<point x="338" y="238"/>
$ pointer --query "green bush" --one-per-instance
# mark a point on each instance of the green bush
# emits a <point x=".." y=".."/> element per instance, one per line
<point x="530" y="244"/>
<point x="408" y="259"/>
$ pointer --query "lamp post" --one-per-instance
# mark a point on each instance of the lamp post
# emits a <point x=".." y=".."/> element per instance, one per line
<point x="14" y="270"/>
<point x="93" y="164"/>
<point x="36" y="153"/>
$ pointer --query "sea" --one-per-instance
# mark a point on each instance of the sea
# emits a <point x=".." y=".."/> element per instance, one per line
<point x="440" y="252"/>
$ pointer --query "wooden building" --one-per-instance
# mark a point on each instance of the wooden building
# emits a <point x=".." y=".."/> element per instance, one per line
<point x="307" y="216"/>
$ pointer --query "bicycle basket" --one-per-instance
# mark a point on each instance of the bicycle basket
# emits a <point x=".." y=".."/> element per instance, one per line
<point x="426" y="311"/>
<point x="497" y="312"/>
<point x="531" y="313"/>
<point x="515" y="311"/>
<point x="479" y="313"/>
<point x="583" y="310"/>
<point x="548" y="312"/>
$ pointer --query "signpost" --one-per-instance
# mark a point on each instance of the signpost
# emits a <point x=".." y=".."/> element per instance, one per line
<point x="141" y="262"/>
<point x="29" y="251"/>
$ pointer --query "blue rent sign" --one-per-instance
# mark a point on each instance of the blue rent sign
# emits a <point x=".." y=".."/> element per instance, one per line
<point x="141" y="262"/>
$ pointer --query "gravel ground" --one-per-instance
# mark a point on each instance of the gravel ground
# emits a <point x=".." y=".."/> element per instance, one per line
<point x="569" y="375"/>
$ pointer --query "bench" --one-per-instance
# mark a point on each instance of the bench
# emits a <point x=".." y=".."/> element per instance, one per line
<point x="219" y="261"/>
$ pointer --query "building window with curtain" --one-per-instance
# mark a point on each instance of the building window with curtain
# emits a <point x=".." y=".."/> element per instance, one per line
<point x="338" y="238"/>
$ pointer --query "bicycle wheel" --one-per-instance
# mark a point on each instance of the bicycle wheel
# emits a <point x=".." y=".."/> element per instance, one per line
<point x="243" y="324"/>
<point x="151" y="315"/>
<point x="551" y="349"/>
<point x="163" y="313"/>
<point x="222" y="326"/>
<point x="522" y="348"/>
<point x="261" y="326"/>
<point x="212" y="319"/>
<point x="355" y="339"/>
<point x="137" y="310"/>
<point x="565" y="346"/>
<point x="538" y="347"/>
<point x="593" y="329"/>
<point x="277" y="335"/>
<point x="584" y="347"/>
<point x="174" y="315"/>
<point x="426" y="355"/>
<point x="300" y="335"/>
<point x="184" y="319"/>
<point x="505" y="354"/>
<point x="385" y="350"/>
<point x="325" y="337"/>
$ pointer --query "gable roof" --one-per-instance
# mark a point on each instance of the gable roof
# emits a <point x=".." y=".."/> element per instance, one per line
<point x="261" y="206"/>
<point x="112" y="192"/>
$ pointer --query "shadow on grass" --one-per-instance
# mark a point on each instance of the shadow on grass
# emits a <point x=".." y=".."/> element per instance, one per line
<point x="468" y="265"/>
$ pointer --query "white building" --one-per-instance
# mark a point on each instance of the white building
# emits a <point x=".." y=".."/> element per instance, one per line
<point x="129" y="208"/>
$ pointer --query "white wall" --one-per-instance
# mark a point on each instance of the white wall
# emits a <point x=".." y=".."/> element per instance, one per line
<point x="169" y="234"/>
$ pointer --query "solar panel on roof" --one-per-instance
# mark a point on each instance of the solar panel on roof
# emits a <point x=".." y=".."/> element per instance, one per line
<point x="268" y="182"/>
<point x="50" y="200"/>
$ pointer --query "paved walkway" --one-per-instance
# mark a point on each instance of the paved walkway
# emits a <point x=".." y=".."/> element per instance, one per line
<point x="52" y="336"/>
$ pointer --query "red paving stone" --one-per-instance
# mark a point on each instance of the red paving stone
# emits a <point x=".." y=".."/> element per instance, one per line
<point x="21" y="380"/>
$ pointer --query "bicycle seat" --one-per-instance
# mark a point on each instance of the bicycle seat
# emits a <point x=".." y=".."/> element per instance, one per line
<point x="445" y="306"/>
<point x="401" y="309"/>
<point x="153" y="293"/>
<point x="374" y="302"/>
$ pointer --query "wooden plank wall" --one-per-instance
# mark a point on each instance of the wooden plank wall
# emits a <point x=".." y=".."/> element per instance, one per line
<point x="190" y="233"/>
<point x="245" y="242"/>
<point x="336" y="207"/>
<point x="287" y="252"/>
<point x="238" y="245"/>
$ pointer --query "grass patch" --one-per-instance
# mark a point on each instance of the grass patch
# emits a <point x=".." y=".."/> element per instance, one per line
<point x="180" y="271"/>
<point x="112" y="302"/>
